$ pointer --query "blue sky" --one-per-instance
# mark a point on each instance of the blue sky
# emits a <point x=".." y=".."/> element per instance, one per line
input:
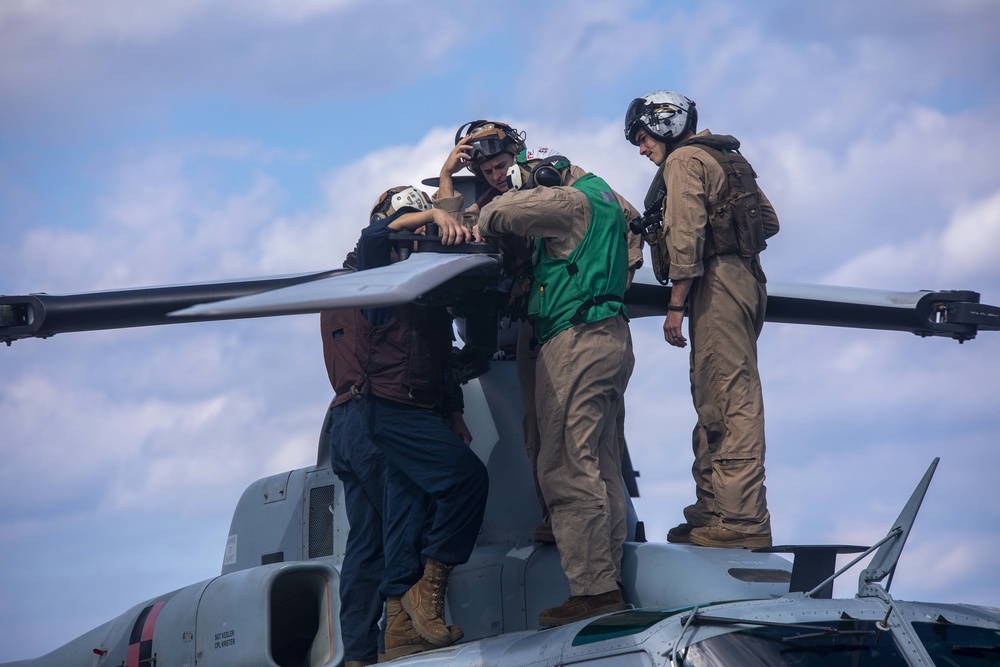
<point x="189" y="140"/>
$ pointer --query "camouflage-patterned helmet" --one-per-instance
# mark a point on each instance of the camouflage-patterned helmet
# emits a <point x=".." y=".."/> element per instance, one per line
<point x="400" y="198"/>
<point x="489" y="139"/>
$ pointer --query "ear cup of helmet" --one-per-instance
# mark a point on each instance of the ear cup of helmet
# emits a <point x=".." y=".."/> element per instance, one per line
<point x="545" y="173"/>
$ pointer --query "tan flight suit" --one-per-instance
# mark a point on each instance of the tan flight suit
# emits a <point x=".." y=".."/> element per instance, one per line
<point x="526" y="352"/>
<point x="726" y="313"/>
<point x="580" y="379"/>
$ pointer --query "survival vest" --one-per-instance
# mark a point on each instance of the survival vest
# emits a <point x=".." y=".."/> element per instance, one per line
<point x="589" y="284"/>
<point x="407" y="360"/>
<point x="735" y="224"/>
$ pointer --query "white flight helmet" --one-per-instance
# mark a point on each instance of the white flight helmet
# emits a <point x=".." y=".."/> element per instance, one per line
<point x="664" y="114"/>
<point x="400" y="198"/>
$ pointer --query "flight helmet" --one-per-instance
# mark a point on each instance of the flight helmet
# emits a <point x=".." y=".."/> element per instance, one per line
<point x="400" y="198"/>
<point x="490" y="138"/>
<point x="664" y="114"/>
<point x="537" y="166"/>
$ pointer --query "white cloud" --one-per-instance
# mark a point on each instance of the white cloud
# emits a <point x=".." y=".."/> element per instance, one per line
<point x="123" y="21"/>
<point x="288" y="55"/>
<point x="160" y="222"/>
<point x="969" y="244"/>
<point x="961" y="252"/>
<point x="76" y="23"/>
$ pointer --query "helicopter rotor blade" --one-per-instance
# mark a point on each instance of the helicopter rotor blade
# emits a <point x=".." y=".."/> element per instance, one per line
<point x="423" y="278"/>
<point x="43" y="315"/>
<point x="402" y="282"/>
<point x="954" y="314"/>
<point x="444" y="278"/>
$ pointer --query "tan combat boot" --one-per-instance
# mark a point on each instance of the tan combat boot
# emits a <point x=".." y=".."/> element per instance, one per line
<point x="424" y="602"/>
<point x="400" y="637"/>
<point x="726" y="538"/>
<point x="579" y="607"/>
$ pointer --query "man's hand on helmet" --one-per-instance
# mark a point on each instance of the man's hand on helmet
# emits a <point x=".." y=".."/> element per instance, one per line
<point x="459" y="158"/>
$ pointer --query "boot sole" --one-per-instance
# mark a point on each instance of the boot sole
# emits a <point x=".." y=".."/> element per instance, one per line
<point x="600" y="611"/>
<point x="734" y="544"/>
<point x="678" y="535"/>
<point x="402" y="651"/>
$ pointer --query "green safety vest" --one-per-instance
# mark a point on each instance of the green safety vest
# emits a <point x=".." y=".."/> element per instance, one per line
<point x="589" y="284"/>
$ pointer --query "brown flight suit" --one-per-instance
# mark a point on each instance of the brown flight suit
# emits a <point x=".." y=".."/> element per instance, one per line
<point x="580" y="378"/>
<point x="527" y="345"/>
<point x="726" y="313"/>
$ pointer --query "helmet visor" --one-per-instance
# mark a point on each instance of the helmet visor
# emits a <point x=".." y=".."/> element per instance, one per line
<point x="487" y="146"/>
<point x="648" y="116"/>
<point x="633" y="118"/>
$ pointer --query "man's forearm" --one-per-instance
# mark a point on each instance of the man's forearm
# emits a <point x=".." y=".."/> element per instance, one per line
<point x="679" y="292"/>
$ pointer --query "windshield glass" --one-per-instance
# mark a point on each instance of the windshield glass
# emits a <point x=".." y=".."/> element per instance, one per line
<point x="960" y="645"/>
<point x="832" y="644"/>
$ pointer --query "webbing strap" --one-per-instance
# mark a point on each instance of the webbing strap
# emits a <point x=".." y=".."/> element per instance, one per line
<point x="590" y="303"/>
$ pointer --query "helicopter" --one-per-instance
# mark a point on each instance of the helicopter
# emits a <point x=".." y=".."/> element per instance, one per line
<point x="275" y="599"/>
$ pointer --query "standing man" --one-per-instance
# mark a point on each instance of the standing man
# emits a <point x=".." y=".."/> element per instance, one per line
<point x="436" y="486"/>
<point x="580" y="271"/>
<point x="489" y="149"/>
<point x="715" y="221"/>
<point x="361" y="468"/>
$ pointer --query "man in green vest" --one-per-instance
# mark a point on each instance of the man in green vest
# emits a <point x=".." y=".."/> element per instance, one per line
<point x="584" y="363"/>
<point x="715" y="222"/>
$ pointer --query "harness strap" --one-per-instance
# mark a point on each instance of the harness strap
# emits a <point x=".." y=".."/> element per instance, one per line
<point x="590" y="303"/>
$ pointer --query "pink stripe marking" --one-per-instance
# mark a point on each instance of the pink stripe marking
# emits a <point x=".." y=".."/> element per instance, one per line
<point x="147" y="628"/>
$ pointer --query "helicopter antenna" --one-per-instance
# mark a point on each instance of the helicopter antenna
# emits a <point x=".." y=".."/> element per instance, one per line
<point x="884" y="562"/>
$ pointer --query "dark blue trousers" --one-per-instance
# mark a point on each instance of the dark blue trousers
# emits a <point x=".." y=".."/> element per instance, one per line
<point x="436" y="491"/>
<point x="361" y="468"/>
